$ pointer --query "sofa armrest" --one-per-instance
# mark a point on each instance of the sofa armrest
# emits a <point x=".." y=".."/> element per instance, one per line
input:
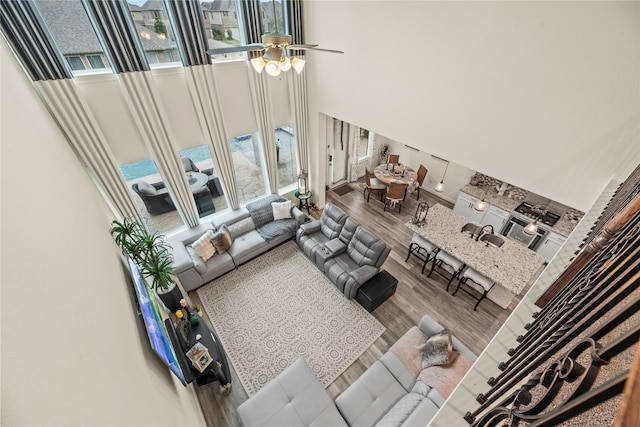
<point x="300" y="217"/>
<point x="310" y="227"/>
<point x="360" y="276"/>
<point x="431" y="327"/>
<point x="181" y="259"/>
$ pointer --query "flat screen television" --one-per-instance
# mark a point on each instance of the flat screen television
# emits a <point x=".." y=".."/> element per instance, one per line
<point x="154" y="321"/>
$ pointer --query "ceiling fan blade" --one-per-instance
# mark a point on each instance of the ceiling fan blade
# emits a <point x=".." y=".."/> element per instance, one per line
<point x="249" y="47"/>
<point x="303" y="47"/>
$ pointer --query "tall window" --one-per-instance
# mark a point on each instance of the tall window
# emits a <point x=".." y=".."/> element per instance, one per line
<point x="74" y="35"/>
<point x="199" y="167"/>
<point x="247" y="162"/>
<point x="156" y="208"/>
<point x="287" y="163"/>
<point x="222" y="27"/>
<point x="364" y="144"/>
<point x="156" y="34"/>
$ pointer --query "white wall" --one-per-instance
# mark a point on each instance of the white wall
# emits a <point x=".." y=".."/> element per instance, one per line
<point x="478" y="83"/>
<point x="72" y="349"/>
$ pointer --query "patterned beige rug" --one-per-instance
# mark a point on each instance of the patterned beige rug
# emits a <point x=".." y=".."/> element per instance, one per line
<point x="279" y="307"/>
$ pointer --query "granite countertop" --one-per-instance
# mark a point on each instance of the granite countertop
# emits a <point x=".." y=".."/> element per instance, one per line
<point x="511" y="266"/>
<point x="563" y="227"/>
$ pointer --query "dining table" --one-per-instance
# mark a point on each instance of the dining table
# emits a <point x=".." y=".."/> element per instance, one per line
<point x="512" y="266"/>
<point x="385" y="174"/>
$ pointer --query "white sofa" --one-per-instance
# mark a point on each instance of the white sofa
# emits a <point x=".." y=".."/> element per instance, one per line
<point x="296" y="398"/>
<point x="247" y="244"/>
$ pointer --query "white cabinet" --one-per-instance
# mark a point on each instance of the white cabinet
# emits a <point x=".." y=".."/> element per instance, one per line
<point x="495" y="217"/>
<point x="464" y="206"/>
<point x="550" y="246"/>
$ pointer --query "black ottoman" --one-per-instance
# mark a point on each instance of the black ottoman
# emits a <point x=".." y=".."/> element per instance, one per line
<point x="376" y="290"/>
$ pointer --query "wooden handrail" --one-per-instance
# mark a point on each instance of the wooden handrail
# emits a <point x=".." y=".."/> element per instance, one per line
<point x="629" y="409"/>
<point x="612" y="226"/>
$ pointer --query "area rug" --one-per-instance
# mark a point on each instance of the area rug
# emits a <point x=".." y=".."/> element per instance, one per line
<point x="280" y="307"/>
<point x="343" y="189"/>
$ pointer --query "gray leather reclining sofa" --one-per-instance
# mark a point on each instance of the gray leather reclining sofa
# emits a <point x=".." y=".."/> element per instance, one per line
<point x="347" y="253"/>
<point x="296" y="398"/>
<point x="247" y="244"/>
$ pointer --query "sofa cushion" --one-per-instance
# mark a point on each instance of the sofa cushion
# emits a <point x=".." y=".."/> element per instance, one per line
<point x="246" y="247"/>
<point x="332" y="220"/>
<point x="422" y="415"/>
<point x="366" y="401"/>
<point x="401" y="410"/>
<point x="282" y="210"/>
<point x="198" y="262"/>
<point x="365" y="248"/>
<point x="147" y="188"/>
<point x="203" y="246"/>
<point x="294" y="398"/>
<point x="222" y="239"/>
<point x="238" y="228"/>
<point x="348" y="230"/>
<point x="438" y="350"/>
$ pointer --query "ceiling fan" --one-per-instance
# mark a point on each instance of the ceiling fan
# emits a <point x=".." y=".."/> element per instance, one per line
<point x="274" y="44"/>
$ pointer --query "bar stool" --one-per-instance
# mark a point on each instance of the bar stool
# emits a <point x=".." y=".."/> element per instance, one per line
<point x="478" y="283"/>
<point x="422" y="249"/>
<point x="443" y="258"/>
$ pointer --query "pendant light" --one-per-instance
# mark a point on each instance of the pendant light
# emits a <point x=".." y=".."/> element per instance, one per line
<point x="440" y="186"/>
<point x="481" y="205"/>
<point x="532" y="228"/>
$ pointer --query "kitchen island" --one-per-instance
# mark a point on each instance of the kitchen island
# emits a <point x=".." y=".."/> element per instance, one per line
<point x="512" y="266"/>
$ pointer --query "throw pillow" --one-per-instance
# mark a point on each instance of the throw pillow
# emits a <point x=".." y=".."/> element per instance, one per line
<point x="281" y="210"/>
<point x="222" y="239"/>
<point x="147" y="188"/>
<point x="198" y="262"/>
<point x="408" y="349"/>
<point x="438" y="350"/>
<point x="203" y="246"/>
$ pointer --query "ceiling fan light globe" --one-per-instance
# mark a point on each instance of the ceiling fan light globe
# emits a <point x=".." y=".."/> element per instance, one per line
<point x="298" y="64"/>
<point x="285" y="64"/>
<point x="258" y="64"/>
<point x="273" y="68"/>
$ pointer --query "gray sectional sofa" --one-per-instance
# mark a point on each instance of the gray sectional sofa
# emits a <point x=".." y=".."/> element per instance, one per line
<point x="248" y="227"/>
<point x="379" y="397"/>
<point x="347" y="253"/>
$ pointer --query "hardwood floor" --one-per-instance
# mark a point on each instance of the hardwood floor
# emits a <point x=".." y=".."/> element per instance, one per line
<point x="415" y="296"/>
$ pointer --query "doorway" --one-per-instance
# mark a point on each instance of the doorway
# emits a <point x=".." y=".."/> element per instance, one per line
<point x="338" y="133"/>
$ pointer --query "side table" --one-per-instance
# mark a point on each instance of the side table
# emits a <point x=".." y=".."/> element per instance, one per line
<point x="304" y="201"/>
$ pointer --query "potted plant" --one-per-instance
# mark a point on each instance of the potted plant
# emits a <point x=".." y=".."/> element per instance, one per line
<point x="152" y="256"/>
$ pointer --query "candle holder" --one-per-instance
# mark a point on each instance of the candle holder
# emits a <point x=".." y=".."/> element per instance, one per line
<point x="421" y="214"/>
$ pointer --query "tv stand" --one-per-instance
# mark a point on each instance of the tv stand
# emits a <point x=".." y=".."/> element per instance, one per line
<point x="218" y="370"/>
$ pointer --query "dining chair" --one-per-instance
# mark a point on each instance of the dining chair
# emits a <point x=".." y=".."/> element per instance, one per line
<point x="393" y="158"/>
<point x="443" y="259"/>
<point x="395" y="195"/>
<point x="373" y="185"/>
<point x="422" y="174"/>
<point x="422" y="249"/>
<point x="480" y="284"/>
